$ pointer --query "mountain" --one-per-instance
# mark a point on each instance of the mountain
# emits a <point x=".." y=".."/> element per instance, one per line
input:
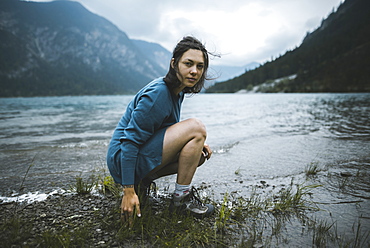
<point x="333" y="58"/>
<point x="60" y="48"/>
<point x="222" y="73"/>
<point x="155" y="52"/>
<point x="225" y="72"/>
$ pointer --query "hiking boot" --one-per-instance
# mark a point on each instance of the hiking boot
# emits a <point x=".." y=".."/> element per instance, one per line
<point x="191" y="204"/>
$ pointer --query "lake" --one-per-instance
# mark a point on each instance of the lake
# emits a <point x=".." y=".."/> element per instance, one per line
<point x="267" y="139"/>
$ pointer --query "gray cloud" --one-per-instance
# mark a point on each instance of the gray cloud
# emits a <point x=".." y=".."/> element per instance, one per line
<point x="243" y="30"/>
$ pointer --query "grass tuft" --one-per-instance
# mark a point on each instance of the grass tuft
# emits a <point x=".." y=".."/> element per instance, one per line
<point x="83" y="187"/>
<point x="321" y="233"/>
<point x="293" y="198"/>
<point x="108" y="186"/>
<point x="312" y="169"/>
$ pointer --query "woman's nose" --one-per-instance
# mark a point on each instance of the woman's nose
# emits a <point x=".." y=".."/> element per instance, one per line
<point x="193" y="70"/>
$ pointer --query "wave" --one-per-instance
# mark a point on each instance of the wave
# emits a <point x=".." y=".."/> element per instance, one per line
<point x="225" y="148"/>
<point x="30" y="197"/>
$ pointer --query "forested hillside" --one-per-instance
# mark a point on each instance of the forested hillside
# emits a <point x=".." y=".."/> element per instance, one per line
<point x="333" y="58"/>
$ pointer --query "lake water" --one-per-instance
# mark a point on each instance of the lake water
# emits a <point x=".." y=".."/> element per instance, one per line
<point x="255" y="137"/>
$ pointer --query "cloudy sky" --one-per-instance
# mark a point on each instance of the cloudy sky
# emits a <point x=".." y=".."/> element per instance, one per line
<point x="242" y="31"/>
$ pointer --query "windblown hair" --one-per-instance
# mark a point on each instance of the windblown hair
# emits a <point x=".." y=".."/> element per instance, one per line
<point x="183" y="46"/>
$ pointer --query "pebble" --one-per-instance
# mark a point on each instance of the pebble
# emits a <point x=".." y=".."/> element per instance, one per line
<point x="345" y="174"/>
<point x="61" y="212"/>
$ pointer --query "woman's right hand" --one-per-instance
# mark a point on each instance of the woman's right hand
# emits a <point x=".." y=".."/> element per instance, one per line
<point x="129" y="205"/>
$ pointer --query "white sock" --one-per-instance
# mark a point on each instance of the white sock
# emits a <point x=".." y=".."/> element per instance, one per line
<point x="181" y="189"/>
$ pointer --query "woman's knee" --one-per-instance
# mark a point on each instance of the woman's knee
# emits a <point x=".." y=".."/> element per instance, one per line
<point x="197" y="127"/>
<point x="180" y="134"/>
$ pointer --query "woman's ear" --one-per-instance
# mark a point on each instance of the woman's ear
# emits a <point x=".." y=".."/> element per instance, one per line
<point x="173" y="63"/>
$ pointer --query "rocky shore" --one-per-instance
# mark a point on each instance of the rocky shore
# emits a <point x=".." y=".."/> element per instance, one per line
<point x="69" y="219"/>
<point x="93" y="220"/>
<point x="285" y="218"/>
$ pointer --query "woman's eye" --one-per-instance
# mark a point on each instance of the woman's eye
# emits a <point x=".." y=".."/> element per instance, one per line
<point x="200" y="67"/>
<point x="188" y="64"/>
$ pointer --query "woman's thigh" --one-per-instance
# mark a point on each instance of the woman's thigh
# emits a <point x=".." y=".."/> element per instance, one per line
<point x="177" y="136"/>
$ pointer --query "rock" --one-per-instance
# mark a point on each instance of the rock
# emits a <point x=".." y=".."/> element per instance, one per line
<point x="345" y="174"/>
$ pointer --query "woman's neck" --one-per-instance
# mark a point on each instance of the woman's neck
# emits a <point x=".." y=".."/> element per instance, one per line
<point x="177" y="90"/>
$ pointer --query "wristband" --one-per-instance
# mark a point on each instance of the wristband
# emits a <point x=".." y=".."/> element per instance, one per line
<point x="128" y="186"/>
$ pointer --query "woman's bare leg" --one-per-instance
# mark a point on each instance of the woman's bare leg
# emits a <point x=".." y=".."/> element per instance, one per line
<point x="182" y="153"/>
<point x="172" y="169"/>
<point x="182" y="150"/>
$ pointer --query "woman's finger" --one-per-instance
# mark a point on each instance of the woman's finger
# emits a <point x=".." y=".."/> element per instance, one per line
<point x="207" y="151"/>
<point x="127" y="218"/>
<point x="138" y="211"/>
<point x="128" y="209"/>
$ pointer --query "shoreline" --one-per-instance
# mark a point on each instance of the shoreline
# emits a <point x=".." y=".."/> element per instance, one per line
<point x="93" y="220"/>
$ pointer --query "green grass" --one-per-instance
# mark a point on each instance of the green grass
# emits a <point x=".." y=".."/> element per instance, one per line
<point x="293" y="198"/>
<point x="77" y="237"/>
<point x="312" y="169"/>
<point x="15" y="230"/>
<point x="82" y="186"/>
<point x="259" y="220"/>
<point x="322" y="233"/>
<point x="108" y="186"/>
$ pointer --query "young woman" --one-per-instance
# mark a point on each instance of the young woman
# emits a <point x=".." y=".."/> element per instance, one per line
<point x="150" y="141"/>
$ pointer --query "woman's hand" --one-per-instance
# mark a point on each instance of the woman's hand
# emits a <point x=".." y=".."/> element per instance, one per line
<point x="206" y="152"/>
<point x="129" y="206"/>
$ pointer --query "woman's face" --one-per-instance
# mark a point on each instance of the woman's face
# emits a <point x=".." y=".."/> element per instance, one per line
<point x="190" y="68"/>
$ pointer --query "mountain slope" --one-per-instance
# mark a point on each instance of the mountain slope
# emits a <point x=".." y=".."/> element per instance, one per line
<point x="155" y="52"/>
<point x="60" y="48"/>
<point x="334" y="58"/>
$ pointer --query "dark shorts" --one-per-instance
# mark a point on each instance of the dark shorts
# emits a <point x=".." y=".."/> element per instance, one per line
<point x="149" y="157"/>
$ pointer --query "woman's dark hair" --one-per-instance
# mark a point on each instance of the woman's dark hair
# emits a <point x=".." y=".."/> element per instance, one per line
<point x="183" y="46"/>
